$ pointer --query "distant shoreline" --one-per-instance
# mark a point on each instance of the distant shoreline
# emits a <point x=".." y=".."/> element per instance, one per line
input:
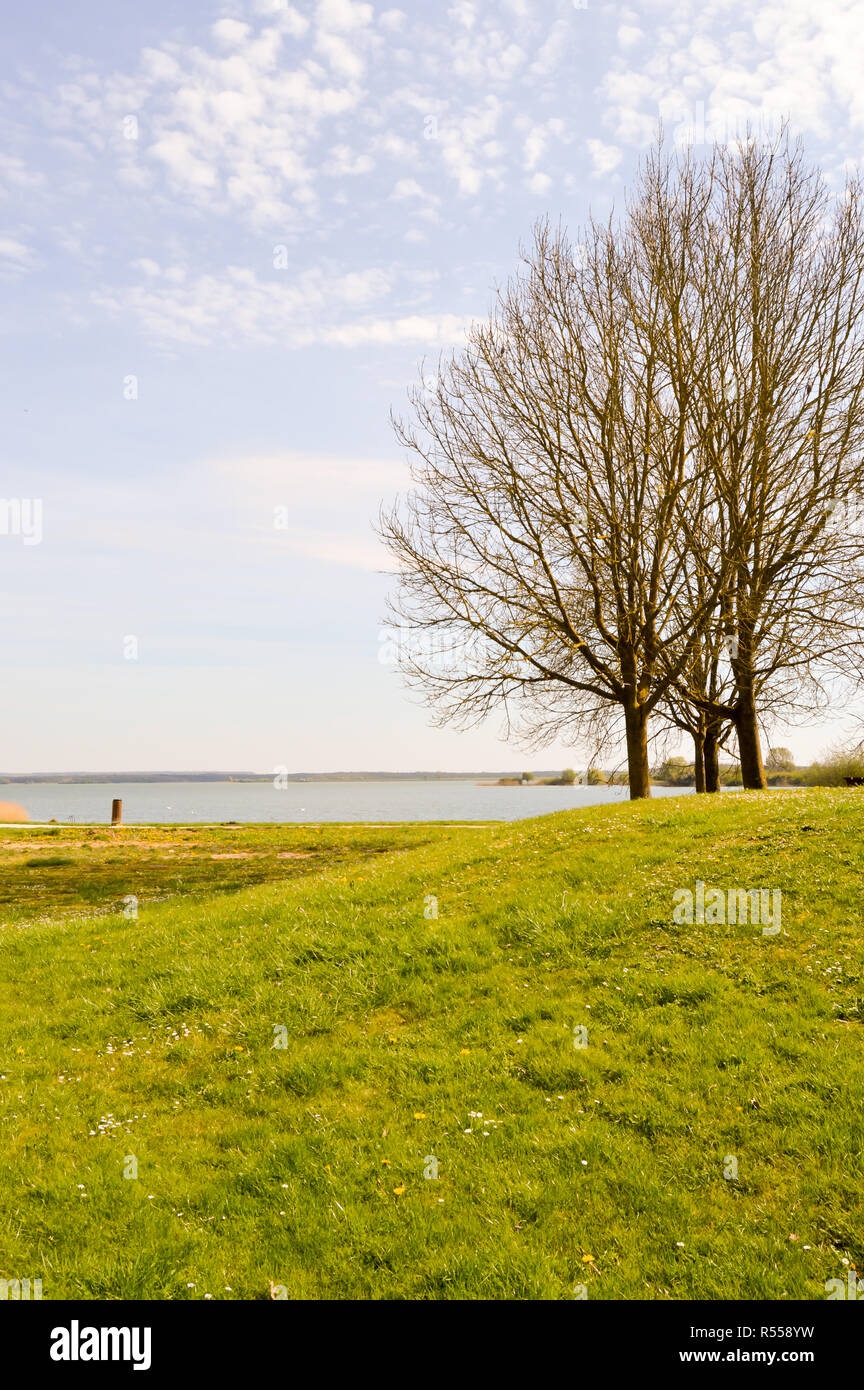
<point x="107" y="778"/>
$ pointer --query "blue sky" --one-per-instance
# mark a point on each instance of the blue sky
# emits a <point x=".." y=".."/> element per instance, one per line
<point x="228" y="235"/>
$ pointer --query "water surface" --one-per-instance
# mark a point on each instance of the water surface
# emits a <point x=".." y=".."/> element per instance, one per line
<point x="154" y="802"/>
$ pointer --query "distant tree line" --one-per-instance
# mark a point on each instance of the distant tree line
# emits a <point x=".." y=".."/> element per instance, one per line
<point x="833" y="770"/>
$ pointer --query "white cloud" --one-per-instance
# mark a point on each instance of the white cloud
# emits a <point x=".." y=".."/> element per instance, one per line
<point x="15" y="255"/>
<point x="237" y="307"/>
<point x="604" y="157"/>
<point x="629" y="35"/>
<point x="538" y="138"/>
<point x="15" y="174"/>
<point x="341" y="56"/>
<point x="343" y="15"/>
<point x="288" y="19"/>
<point x="535" y="144"/>
<point x="714" y="67"/>
<point x="396" y="146"/>
<point x="245" y="118"/>
<point x="432" y="329"/>
<point x="230" y="32"/>
<point x="539" y="183"/>
<point x="553" y="51"/>
<point x="392" y="20"/>
<point x="176" y="152"/>
<point x="239" y="125"/>
<point x="326" y="469"/>
<point x="463" y="14"/>
<point x="462" y="141"/>
<point x="343" y="162"/>
<point x="406" y="189"/>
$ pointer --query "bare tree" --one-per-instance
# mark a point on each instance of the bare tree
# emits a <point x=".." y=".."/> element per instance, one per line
<point x="689" y="702"/>
<point x="765" y="344"/>
<point x="543" y="553"/>
<point x="630" y="475"/>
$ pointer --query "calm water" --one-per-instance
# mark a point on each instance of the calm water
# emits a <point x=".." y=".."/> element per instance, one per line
<point x="145" y="802"/>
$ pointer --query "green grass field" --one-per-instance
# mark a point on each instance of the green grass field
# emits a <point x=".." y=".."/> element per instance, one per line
<point x="413" y="1041"/>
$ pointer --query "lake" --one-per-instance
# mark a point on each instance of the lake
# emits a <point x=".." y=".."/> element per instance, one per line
<point x="153" y="802"/>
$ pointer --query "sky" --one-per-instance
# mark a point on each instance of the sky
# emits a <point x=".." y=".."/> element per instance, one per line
<point x="229" y="235"/>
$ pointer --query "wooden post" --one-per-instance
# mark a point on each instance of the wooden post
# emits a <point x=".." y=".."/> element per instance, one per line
<point x="116" y="812"/>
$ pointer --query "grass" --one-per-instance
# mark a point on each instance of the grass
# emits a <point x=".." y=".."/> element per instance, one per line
<point x="414" y="1040"/>
<point x="154" y="863"/>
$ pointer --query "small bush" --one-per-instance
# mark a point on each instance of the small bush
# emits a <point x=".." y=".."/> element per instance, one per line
<point x="838" y="764"/>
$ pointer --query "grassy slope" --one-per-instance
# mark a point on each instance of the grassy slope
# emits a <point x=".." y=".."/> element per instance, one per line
<point x="304" y="1167"/>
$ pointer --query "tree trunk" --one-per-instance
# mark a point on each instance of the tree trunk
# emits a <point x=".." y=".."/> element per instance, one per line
<point x="638" y="772"/>
<point x="699" y="760"/>
<point x="712" y="759"/>
<point x="747" y="729"/>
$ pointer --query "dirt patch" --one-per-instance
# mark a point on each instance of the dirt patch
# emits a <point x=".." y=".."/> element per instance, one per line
<point x="238" y="854"/>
